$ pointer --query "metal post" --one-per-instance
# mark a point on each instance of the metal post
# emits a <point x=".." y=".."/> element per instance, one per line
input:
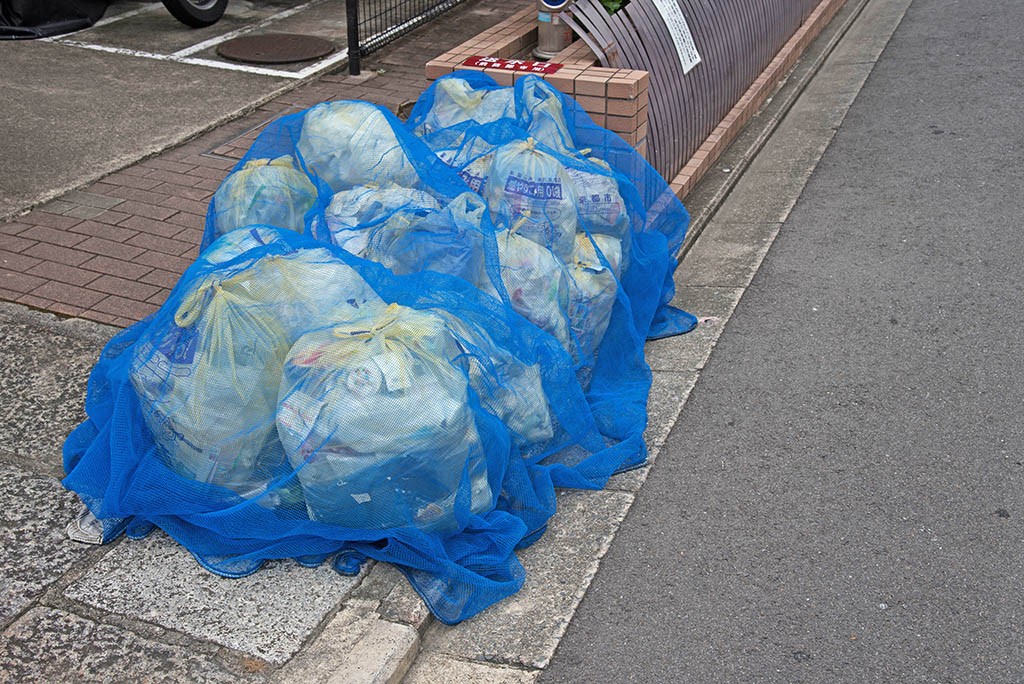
<point x="352" y="14"/>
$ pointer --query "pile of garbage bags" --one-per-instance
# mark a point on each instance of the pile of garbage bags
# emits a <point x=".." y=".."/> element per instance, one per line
<point x="398" y="339"/>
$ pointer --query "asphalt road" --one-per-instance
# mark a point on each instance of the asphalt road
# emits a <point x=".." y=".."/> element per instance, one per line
<point x="842" y="500"/>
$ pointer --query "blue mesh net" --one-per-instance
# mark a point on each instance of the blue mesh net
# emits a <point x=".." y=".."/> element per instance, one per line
<point x="397" y="341"/>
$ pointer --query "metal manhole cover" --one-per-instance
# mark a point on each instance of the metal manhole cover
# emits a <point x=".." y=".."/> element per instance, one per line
<point x="275" y="48"/>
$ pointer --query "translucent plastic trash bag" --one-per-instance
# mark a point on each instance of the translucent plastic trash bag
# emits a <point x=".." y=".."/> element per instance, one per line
<point x="307" y="288"/>
<point x="517" y="397"/>
<point x="264" y="191"/>
<point x="529" y="187"/>
<point x="541" y="112"/>
<point x="472" y="161"/>
<point x="449" y="241"/>
<point x="535" y="280"/>
<point x="352" y="214"/>
<point x="237" y="242"/>
<point x="599" y="204"/>
<point x="378" y="423"/>
<point x="208" y="381"/>
<point x="350" y="144"/>
<point x="593" y="287"/>
<point x="313" y="288"/>
<point x="457" y="101"/>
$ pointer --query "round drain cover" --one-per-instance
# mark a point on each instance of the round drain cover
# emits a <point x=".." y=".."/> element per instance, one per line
<point x="274" y="48"/>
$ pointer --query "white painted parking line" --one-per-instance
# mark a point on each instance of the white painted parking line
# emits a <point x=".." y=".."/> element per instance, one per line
<point x="217" y="40"/>
<point x="229" y="66"/>
<point x="184" y="56"/>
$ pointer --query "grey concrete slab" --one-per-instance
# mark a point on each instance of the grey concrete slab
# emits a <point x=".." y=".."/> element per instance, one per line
<point x="403" y="605"/>
<point x="524" y="629"/>
<point x="728" y="254"/>
<point x="869" y="36"/>
<point x="712" y="306"/>
<point x="355" y="647"/>
<point x="395" y="599"/>
<point x="268" y="615"/>
<point x="668" y="394"/>
<point x="75" y="328"/>
<point x="65" y="126"/>
<point x="790" y="155"/>
<point x="767" y="198"/>
<point x="34" y="550"/>
<point x="669" y="391"/>
<point x="55" y="646"/>
<point x="43" y="376"/>
<point x="435" y="669"/>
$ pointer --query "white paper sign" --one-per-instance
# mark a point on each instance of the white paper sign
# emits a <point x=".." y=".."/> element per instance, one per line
<point x="680" y="31"/>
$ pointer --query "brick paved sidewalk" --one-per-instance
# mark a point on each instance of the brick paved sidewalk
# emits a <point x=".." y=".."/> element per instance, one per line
<point x="112" y="251"/>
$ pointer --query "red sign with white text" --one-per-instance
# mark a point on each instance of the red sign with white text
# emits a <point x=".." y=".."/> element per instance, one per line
<point x="521" y="65"/>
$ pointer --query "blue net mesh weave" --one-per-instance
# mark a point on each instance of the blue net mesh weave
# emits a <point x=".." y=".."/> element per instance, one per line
<point x="397" y="341"/>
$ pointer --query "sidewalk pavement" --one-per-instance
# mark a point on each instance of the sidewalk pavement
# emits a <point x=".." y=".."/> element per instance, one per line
<point x="106" y="254"/>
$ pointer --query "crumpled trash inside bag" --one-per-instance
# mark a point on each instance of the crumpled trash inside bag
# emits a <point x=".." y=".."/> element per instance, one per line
<point x="264" y="191"/>
<point x="353" y="214"/>
<point x="457" y="101"/>
<point x="593" y="287"/>
<point x="536" y="284"/>
<point x="349" y="144"/>
<point x="449" y="241"/>
<point x="528" y="187"/>
<point x="208" y="384"/>
<point x="377" y="420"/>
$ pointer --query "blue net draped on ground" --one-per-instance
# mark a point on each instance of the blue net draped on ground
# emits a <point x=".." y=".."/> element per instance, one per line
<point x="397" y="341"/>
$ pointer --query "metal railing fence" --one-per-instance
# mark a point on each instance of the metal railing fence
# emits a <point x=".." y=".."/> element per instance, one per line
<point x="375" y="23"/>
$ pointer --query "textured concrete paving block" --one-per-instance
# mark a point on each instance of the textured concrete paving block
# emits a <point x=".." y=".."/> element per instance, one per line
<point x="55" y="646"/>
<point x="728" y="254"/>
<point x="43" y="376"/>
<point x="668" y="394"/>
<point x="356" y="647"/>
<point x="524" y="629"/>
<point x="268" y="614"/>
<point x="382" y="656"/>
<point x="767" y="198"/>
<point x="871" y="32"/>
<point x="712" y="306"/>
<point x="438" y="669"/>
<point x="34" y="550"/>
<point x="404" y="605"/>
<point x="396" y="600"/>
